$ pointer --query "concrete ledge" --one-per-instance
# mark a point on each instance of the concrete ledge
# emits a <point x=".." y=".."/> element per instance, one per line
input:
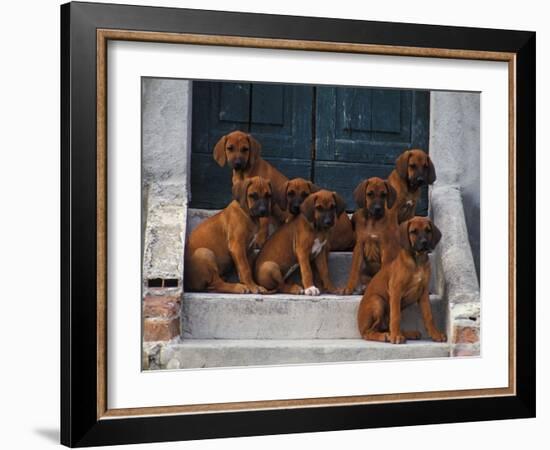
<point x="227" y="353"/>
<point x="454" y="255"/>
<point x="165" y="231"/>
<point x="280" y="316"/>
<point x="456" y="271"/>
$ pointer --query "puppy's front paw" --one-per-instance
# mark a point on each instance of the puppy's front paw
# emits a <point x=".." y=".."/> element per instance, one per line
<point x="296" y="289"/>
<point x="255" y="289"/>
<point x="241" y="289"/>
<point x="397" y="338"/>
<point x="312" y="290"/>
<point x="439" y="337"/>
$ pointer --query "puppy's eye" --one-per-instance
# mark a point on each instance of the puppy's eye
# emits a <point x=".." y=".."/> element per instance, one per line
<point x="412" y="166"/>
<point x="268" y="195"/>
<point x="304" y="194"/>
<point x="383" y="194"/>
<point x="370" y="194"/>
<point x="291" y="193"/>
<point x="319" y="208"/>
<point x="413" y="231"/>
<point x="426" y="166"/>
<point x="230" y="148"/>
<point x="254" y="196"/>
<point x="428" y="230"/>
<point x="244" y="149"/>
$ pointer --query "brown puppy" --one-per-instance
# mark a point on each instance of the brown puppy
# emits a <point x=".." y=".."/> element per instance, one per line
<point x="399" y="284"/>
<point x="376" y="236"/>
<point x="413" y="169"/>
<point x="293" y="194"/>
<point x="297" y="243"/>
<point x="226" y="239"/>
<point x="242" y="153"/>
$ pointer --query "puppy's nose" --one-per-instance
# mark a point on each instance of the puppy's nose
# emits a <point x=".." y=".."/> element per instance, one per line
<point x="295" y="209"/>
<point x="419" y="180"/>
<point x="262" y="211"/>
<point x="423" y="243"/>
<point x="238" y="164"/>
<point x="377" y="209"/>
<point x="327" y="221"/>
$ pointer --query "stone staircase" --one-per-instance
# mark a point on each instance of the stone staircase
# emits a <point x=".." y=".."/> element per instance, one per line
<point x="223" y="330"/>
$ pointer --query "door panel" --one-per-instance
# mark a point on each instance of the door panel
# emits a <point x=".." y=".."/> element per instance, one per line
<point x="211" y="184"/>
<point x="234" y="103"/>
<point x="360" y="133"/>
<point x="279" y="116"/>
<point x="351" y="134"/>
<point x="328" y="175"/>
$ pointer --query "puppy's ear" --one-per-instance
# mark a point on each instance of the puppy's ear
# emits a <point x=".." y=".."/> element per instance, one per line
<point x="313" y="187"/>
<point x="340" y="204"/>
<point x="239" y="191"/>
<point x="279" y="195"/>
<point x="436" y="236"/>
<point x="402" y="164"/>
<point x="255" y="150"/>
<point x="360" y="192"/>
<point x="404" y="236"/>
<point x="392" y="195"/>
<point x="307" y="208"/>
<point x="219" y="152"/>
<point x="431" y="171"/>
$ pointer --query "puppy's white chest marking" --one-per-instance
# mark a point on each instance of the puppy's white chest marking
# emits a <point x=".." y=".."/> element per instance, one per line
<point x="253" y="241"/>
<point x="419" y="278"/>
<point x="317" y="247"/>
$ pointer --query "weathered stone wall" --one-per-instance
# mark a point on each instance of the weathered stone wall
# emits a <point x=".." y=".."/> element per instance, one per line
<point x="455" y="149"/>
<point x="166" y="149"/>
<point x="454" y="265"/>
<point x="454" y="205"/>
<point x="166" y="134"/>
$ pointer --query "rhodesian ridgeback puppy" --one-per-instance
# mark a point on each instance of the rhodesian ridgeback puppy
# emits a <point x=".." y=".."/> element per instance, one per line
<point x="293" y="194"/>
<point x="298" y="243"/>
<point x="413" y="169"/>
<point x="242" y="152"/>
<point x="376" y="235"/>
<point x="399" y="284"/>
<point x="225" y="240"/>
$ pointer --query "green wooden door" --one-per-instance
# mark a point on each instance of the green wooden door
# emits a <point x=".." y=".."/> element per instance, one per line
<point x="360" y="132"/>
<point x="279" y="116"/>
<point x="333" y="136"/>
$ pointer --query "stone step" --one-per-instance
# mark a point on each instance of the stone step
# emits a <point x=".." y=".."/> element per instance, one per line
<point x="339" y="267"/>
<point x="229" y="353"/>
<point x="339" y="262"/>
<point x="282" y="316"/>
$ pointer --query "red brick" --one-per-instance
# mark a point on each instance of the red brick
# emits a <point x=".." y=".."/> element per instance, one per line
<point x="160" y="329"/>
<point x="166" y="307"/>
<point x="466" y="335"/>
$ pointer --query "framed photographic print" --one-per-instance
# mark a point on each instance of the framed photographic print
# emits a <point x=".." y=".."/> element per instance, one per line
<point x="276" y="224"/>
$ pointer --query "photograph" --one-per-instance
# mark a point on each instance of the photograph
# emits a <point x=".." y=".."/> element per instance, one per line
<point x="279" y="224"/>
<point x="307" y="224"/>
